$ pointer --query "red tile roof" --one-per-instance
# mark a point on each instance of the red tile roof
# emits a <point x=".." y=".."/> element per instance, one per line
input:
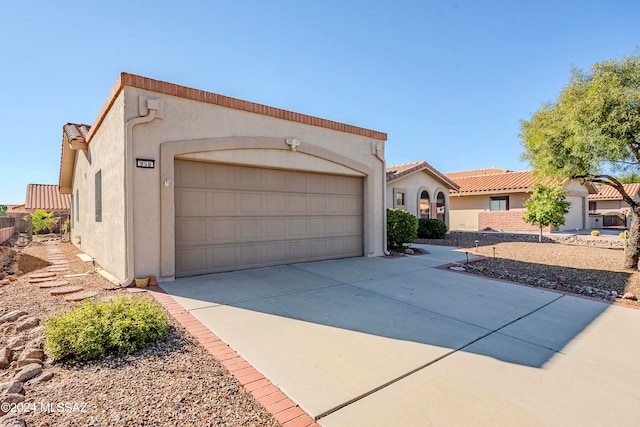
<point x="496" y="182"/>
<point x="75" y="132"/>
<point x="476" y="172"/>
<point x="398" y="171"/>
<point x="607" y="192"/>
<point x="47" y="197"/>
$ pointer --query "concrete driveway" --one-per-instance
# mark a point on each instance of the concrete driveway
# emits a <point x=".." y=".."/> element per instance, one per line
<point x="388" y="342"/>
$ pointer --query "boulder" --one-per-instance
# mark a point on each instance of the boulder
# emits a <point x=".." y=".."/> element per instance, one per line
<point x="24" y="362"/>
<point x="5" y="356"/>
<point x="17" y="342"/>
<point x="27" y="372"/>
<point x="12" y="420"/>
<point x="11" y="398"/>
<point x="12" y="316"/>
<point x="28" y="323"/>
<point x="11" y="387"/>
<point x="32" y="353"/>
<point x="630" y="296"/>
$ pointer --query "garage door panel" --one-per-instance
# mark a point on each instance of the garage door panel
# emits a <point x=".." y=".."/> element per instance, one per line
<point x="221" y="203"/>
<point x="221" y="230"/>
<point x="192" y="231"/>
<point x="192" y="203"/>
<point x="256" y="217"/>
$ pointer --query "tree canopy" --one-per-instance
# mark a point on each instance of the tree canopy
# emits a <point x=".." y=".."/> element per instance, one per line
<point x="546" y="206"/>
<point x="592" y="132"/>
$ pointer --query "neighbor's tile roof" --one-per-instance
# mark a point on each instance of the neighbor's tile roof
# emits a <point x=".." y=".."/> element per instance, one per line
<point x="47" y="197"/>
<point x="497" y="182"/>
<point x="607" y="192"/>
<point x="75" y="132"/>
<point x="398" y="171"/>
<point x="476" y="172"/>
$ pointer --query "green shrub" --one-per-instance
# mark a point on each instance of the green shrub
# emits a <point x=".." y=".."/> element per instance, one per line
<point x="595" y="233"/>
<point x="92" y="328"/>
<point x="402" y="227"/>
<point x="42" y="221"/>
<point x="429" y="228"/>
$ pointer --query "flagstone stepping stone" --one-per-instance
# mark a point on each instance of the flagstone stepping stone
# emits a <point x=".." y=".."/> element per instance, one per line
<point x="42" y="275"/>
<point x="79" y="296"/>
<point x="63" y="290"/>
<point x="59" y="262"/>
<point x="44" y="279"/>
<point x="58" y="269"/>
<point x="55" y="284"/>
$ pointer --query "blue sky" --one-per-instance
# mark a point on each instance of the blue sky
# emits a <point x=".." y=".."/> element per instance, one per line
<point x="448" y="81"/>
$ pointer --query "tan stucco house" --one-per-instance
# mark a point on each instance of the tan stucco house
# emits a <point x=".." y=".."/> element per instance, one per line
<point x="419" y="189"/>
<point x="494" y="199"/>
<point x="173" y="181"/>
<point x="607" y="209"/>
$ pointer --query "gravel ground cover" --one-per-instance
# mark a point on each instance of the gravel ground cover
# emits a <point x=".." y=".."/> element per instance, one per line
<point x="174" y="382"/>
<point x="582" y="265"/>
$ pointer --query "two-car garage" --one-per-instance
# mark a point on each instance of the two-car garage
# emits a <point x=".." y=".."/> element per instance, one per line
<point x="230" y="217"/>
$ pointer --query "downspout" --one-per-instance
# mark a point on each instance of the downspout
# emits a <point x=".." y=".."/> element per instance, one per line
<point x="128" y="181"/>
<point x="377" y="150"/>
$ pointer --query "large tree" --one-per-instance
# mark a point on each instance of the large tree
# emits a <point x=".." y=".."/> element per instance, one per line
<point x="592" y="133"/>
<point x="546" y="206"/>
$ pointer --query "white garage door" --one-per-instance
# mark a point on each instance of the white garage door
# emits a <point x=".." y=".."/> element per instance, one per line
<point x="232" y="217"/>
<point x="575" y="218"/>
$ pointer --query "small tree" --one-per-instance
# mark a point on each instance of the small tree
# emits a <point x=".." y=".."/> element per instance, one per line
<point x="3" y="210"/>
<point x="41" y="221"/>
<point x="546" y="206"/>
<point x="402" y="227"/>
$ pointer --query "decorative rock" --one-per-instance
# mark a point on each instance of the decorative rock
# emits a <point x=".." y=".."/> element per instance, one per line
<point x="409" y="251"/>
<point x="11" y="398"/>
<point x="17" y="342"/>
<point x="456" y="268"/>
<point x="46" y="376"/>
<point x="630" y="296"/>
<point x="2" y="275"/>
<point x="27" y="372"/>
<point x="12" y="420"/>
<point x="12" y="316"/>
<point x="63" y="290"/>
<point x="32" y="353"/>
<point x="29" y="323"/>
<point x="12" y="278"/>
<point x="5" y="357"/>
<point x="24" y="362"/>
<point x="37" y="342"/>
<point x="11" y="387"/>
<point x="5" y="282"/>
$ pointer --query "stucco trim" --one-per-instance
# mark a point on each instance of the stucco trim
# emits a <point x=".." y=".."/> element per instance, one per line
<point x="169" y="151"/>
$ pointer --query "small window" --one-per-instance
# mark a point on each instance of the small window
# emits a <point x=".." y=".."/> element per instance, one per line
<point x="400" y="198"/>
<point x="99" y="196"/>
<point x="500" y="203"/>
<point x="593" y="207"/>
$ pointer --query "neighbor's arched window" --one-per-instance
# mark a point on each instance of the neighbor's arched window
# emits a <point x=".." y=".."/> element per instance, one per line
<point x="440" y="206"/>
<point x="425" y="211"/>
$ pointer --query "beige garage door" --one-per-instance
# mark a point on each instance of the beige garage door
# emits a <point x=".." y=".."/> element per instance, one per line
<point x="234" y="217"/>
<point x="575" y="218"/>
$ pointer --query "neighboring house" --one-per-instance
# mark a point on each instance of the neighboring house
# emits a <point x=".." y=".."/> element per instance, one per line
<point x="494" y="199"/>
<point x="419" y="189"/>
<point x="172" y="181"/>
<point x="607" y="209"/>
<point x="46" y="197"/>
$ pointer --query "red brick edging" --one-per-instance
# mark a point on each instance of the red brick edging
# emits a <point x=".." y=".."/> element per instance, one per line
<point x="283" y="409"/>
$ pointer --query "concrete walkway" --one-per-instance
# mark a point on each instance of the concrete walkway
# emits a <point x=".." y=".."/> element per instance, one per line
<point x="374" y="341"/>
